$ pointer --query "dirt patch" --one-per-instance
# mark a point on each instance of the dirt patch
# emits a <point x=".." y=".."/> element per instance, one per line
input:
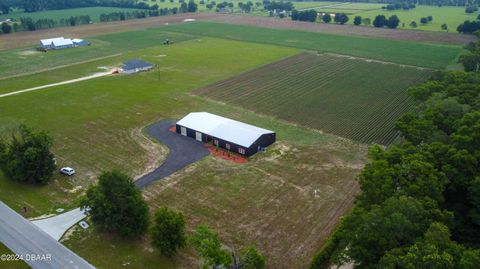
<point x="283" y="205"/>
<point x="28" y="52"/>
<point x="349" y="30"/>
<point x="156" y="153"/>
<point x="220" y="153"/>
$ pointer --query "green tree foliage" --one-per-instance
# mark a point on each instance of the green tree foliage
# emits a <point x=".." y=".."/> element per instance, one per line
<point x="27" y="157"/>
<point x="6" y="28"/>
<point x="183" y="8"/>
<point x="369" y="234"/>
<point x="380" y="21"/>
<point x="326" y="18"/>
<point x="116" y="205"/>
<point x="250" y="258"/>
<point x="470" y="259"/>
<point x="357" y="20"/>
<point x="168" y="231"/>
<point x="207" y="245"/>
<point x="192" y="7"/>
<point x="393" y="22"/>
<point x="341" y="18"/>
<point x="399" y="171"/>
<point x="306" y="15"/>
<point x="434" y="250"/>
<point x="420" y="206"/>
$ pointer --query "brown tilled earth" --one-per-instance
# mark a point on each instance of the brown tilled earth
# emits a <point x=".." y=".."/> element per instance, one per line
<point x="27" y="38"/>
<point x="21" y="39"/>
<point x="349" y="30"/>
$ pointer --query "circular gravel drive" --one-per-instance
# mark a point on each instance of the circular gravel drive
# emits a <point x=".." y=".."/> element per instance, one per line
<point x="183" y="152"/>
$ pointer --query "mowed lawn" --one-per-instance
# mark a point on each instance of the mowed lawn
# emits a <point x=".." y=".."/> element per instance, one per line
<point x="26" y="60"/>
<point x="352" y="98"/>
<point x="402" y="52"/>
<point x="96" y="124"/>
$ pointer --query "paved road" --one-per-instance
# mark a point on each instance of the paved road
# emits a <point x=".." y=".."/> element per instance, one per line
<point x="183" y="151"/>
<point x="24" y="238"/>
<point x="58" y="225"/>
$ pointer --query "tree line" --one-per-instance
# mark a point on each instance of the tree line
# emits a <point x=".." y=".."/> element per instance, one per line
<point x="39" y="5"/>
<point x="28" y="24"/>
<point x="406" y="3"/>
<point x="419" y="204"/>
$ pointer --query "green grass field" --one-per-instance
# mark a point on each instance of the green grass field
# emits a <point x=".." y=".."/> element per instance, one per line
<point x="410" y="53"/>
<point x="93" y="12"/>
<point x="329" y="93"/>
<point x="25" y="60"/>
<point x="97" y="125"/>
<point x="98" y="111"/>
<point x="300" y="186"/>
<point x="452" y="16"/>
<point x="11" y="264"/>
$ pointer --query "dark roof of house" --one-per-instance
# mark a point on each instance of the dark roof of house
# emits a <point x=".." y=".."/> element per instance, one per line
<point x="136" y="63"/>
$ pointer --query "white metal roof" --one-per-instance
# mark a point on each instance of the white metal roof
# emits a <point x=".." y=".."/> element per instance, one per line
<point x="62" y="42"/>
<point x="77" y="40"/>
<point x="49" y="41"/>
<point x="226" y="129"/>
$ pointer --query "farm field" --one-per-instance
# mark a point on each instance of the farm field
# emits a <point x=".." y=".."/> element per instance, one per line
<point x="417" y="54"/>
<point x="337" y="95"/>
<point x="25" y="60"/>
<point x="97" y="125"/>
<point x="452" y="16"/>
<point x="114" y="109"/>
<point x="125" y="105"/>
<point x="93" y="12"/>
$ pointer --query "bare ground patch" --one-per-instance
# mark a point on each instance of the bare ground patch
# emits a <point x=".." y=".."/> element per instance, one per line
<point x="286" y="201"/>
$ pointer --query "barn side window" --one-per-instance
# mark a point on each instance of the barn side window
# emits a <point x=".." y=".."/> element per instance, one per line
<point x="227" y="146"/>
<point x="241" y="151"/>
<point x="215" y="142"/>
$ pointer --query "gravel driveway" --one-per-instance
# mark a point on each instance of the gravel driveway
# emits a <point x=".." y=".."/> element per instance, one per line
<point x="183" y="152"/>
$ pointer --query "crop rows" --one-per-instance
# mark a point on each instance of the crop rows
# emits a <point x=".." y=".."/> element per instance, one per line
<point x="348" y="97"/>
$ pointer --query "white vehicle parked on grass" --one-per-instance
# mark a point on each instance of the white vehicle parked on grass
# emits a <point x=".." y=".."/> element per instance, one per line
<point x="67" y="171"/>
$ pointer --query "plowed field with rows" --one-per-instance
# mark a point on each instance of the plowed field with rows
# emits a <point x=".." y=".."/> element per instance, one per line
<point x="353" y="98"/>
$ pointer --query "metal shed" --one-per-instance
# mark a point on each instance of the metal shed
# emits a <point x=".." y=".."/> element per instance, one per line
<point x="235" y="136"/>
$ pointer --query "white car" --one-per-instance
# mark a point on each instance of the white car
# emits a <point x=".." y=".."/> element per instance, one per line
<point x="67" y="171"/>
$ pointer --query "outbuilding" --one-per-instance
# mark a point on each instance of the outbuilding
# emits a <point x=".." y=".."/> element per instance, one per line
<point x="136" y="65"/>
<point x="48" y="43"/>
<point x="80" y="42"/>
<point x="232" y="135"/>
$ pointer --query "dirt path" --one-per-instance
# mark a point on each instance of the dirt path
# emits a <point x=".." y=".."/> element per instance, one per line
<point x="96" y="75"/>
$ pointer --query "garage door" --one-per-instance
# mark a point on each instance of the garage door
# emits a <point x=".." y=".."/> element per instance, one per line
<point x="198" y="136"/>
